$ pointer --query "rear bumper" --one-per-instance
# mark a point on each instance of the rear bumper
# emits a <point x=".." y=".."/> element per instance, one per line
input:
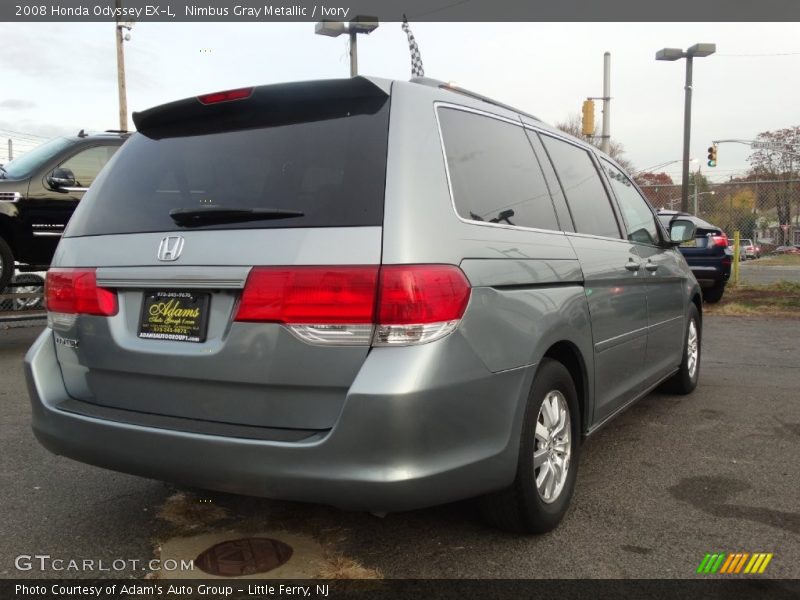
<point x="710" y="276"/>
<point x="420" y="426"/>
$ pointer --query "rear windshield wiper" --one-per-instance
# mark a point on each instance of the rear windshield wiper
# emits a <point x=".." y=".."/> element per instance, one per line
<point x="196" y="217"/>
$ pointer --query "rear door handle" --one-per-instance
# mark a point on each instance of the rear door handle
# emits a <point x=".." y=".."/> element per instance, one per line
<point x="633" y="265"/>
<point x="651" y="266"/>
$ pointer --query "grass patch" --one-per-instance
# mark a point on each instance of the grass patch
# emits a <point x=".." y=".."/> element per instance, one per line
<point x="339" y="567"/>
<point x="775" y="300"/>
<point x="785" y="260"/>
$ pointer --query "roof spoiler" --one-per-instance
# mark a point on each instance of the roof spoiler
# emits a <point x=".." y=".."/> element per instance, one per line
<point x="262" y="106"/>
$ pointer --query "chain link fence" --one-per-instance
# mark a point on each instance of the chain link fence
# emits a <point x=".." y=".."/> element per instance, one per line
<point x="767" y="211"/>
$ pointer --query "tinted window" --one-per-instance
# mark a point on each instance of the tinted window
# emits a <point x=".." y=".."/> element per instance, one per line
<point x="85" y="165"/>
<point x="560" y="203"/>
<point x="588" y="202"/>
<point x="332" y="170"/>
<point x="640" y="222"/>
<point x="493" y="172"/>
<point x="24" y="165"/>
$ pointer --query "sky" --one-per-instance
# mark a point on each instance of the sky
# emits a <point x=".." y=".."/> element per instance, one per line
<point x="61" y="77"/>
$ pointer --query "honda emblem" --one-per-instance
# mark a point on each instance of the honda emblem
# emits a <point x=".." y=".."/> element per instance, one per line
<point x="170" y="247"/>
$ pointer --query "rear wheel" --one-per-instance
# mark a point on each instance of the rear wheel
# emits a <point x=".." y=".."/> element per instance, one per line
<point x="6" y="264"/>
<point x="548" y="457"/>
<point x="714" y="294"/>
<point x="685" y="380"/>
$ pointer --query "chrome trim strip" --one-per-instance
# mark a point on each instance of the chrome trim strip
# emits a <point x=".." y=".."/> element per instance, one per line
<point x="10" y="197"/>
<point x="619" y="339"/>
<point x="47" y="234"/>
<point x="74" y="189"/>
<point x="172" y="283"/>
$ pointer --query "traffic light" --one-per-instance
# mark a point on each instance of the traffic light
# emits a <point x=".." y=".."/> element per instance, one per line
<point x="587" y="124"/>
<point x="712" y="156"/>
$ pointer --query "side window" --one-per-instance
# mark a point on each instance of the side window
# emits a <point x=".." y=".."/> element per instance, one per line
<point x="588" y="201"/>
<point x="562" y="210"/>
<point x="493" y="172"/>
<point x="639" y="219"/>
<point x="86" y="165"/>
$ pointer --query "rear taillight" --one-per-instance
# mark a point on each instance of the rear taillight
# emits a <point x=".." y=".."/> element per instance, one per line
<point x="75" y="291"/>
<point x="390" y="305"/>
<point x="719" y="240"/>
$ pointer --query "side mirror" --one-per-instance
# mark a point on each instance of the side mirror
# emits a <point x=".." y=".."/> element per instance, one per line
<point x="680" y="231"/>
<point x="61" y="178"/>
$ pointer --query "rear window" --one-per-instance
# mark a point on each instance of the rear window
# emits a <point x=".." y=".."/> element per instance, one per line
<point x="332" y="170"/>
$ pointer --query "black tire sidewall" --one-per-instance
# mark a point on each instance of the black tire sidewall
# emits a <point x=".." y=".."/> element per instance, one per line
<point x="7" y="263"/>
<point x="541" y="516"/>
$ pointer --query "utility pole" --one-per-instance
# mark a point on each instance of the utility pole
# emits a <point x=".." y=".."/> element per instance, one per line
<point x="353" y="53"/>
<point x="123" y="95"/>
<point x="10" y="149"/>
<point x="605" y="144"/>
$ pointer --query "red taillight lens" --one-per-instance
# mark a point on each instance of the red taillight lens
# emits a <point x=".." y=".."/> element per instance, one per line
<point x="403" y="295"/>
<point x="421" y="294"/>
<point x="719" y="240"/>
<point x="75" y="291"/>
<point x="226" y="96"/>
<point x="324" y="295"/>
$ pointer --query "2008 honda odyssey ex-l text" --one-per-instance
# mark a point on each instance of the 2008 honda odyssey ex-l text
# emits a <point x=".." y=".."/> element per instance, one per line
<point x="378" y="295"/>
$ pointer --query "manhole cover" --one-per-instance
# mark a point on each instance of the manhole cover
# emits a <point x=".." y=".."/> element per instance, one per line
<point x="247" y="556"/>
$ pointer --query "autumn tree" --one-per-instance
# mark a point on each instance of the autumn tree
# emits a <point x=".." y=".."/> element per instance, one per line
<point x="774" y="165"/>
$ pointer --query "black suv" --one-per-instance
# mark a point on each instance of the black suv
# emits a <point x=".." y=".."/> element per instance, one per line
<point x="708" y="255"/>
<point x="39" y="192"/>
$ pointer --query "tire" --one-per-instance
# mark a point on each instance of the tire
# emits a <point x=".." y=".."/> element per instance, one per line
<point x="6" y="264"/>
<point x="523" y="508"/>
<point x="685" y="380"/>
<point x="714" y="294"/>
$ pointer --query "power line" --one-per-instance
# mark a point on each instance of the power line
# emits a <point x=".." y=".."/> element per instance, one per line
<point x="761" y="55"/>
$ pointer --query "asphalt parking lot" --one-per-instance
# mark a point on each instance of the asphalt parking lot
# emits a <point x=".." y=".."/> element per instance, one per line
<point x="753" y="272"/>
<point x="670" y="480"/>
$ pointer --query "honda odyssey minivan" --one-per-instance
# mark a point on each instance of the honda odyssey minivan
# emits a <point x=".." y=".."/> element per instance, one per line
<point x="378" y="295"/>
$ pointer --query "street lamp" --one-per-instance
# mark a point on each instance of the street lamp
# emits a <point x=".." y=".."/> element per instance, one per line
<point x="671" y="54"/>
<point x="360" y="24"/>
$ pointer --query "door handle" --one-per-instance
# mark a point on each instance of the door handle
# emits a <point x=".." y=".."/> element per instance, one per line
<point x="633" y="265"/>
<point x="651" y="266"/>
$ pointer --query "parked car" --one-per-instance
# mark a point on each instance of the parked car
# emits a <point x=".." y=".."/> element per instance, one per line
<point x="787" y="250"/>
<point x="750" y="249"/>
<point x="742" y="252"/>
<point x="708" y="254"/>
<point x="372" y="294"/>
<point x="40" y="189"/>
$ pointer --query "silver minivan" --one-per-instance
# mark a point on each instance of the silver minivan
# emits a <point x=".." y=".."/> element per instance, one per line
<point x="379" y="295"/>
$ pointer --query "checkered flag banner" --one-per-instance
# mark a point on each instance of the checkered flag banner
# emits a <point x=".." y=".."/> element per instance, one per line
<point x="416" y="58"/>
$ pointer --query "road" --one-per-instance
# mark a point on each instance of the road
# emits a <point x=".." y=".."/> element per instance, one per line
<point x="670" y="480"/>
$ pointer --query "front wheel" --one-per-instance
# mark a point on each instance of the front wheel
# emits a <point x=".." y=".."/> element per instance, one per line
<point x="6" y="265"/>
<point x="548" y="457"/>
<point x="713" y="295"/>
<point x="685" y="380"/>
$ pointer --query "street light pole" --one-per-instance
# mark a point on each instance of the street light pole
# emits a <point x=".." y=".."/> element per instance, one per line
<point x="360" y="24"/>
<point x="687" y="132"/>
<point x="671" y="54"/>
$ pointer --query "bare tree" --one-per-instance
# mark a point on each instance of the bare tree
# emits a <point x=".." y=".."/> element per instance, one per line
<point x="572" y="126"/>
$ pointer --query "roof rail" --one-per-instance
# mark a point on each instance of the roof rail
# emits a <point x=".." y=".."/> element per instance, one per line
<point x="458" y="90"/>
<point x="116" y="131"/>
